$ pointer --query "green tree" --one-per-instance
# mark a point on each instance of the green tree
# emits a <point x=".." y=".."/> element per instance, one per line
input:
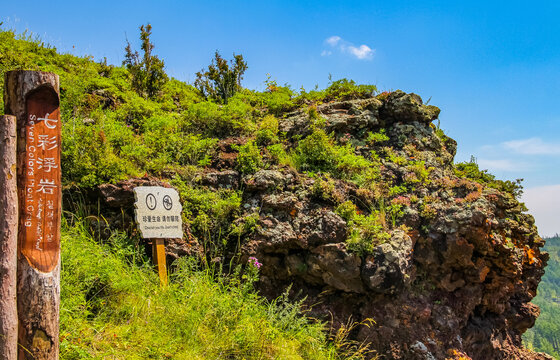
<point x="222" y="80"/>
<point x="148" y="76"/>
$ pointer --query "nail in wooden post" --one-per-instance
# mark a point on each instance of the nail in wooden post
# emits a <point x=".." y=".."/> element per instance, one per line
<point x="33" y="97"/>
<point x="8" y="239"/>
<point x="158" y="254"/>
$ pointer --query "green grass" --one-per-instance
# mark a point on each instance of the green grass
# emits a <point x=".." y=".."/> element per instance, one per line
<point x="112" y="307"/>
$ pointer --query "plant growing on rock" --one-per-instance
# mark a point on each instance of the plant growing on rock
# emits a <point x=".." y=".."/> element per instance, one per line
<point x="345" y="89"/>
<point x="365" y="232"/>
<point x="471" y="170"/>
<point x="249" y="159"/>
<point x="377" y="137"/>
<point x="279" y="155"/>
<point x="348" y="164"/>
<point x="392" y="156"/>
<point x="324" y="189"/>
<point x="395" y="211"/>
<point x="315" y="153"/>
<point x="268" y="131"/>
<point x="418" y="172"/>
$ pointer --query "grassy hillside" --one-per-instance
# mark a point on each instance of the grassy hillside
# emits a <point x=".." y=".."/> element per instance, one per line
<point x="545" y="335"/>
<point x="113" y="307"/>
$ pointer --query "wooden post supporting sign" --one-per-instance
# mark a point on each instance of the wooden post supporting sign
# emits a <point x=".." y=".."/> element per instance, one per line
<point x="33" y="97"/>
<point x="158" y="254"/>
<point x="8" y="238"/>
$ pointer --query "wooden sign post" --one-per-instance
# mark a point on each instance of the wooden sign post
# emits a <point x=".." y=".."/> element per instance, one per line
<point x="8" y="238"/>
<point x="158" y="215"/>
<point x="33" y="97"/>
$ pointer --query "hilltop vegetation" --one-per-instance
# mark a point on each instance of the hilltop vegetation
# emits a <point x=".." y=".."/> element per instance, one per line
<point x="117" y="126"/>
<point x="545" y="336"/>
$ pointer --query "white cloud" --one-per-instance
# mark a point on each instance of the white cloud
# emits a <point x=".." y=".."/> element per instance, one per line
<point x="544" y="204"/>
<point x="333" y="40"/>
<point x="501" y="165"/>
<point x="362" y="52"/>
<point x="532" y="146"/>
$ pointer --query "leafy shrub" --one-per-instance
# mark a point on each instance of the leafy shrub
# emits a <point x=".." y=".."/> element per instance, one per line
<point x="279" y="155"/>
<point x="365" y="231"/>
<point x="347" y="210"/>
<point x="316" y="152"/>
<point x="393" y="157"/>
<point x="220" y="82"/>
<point x="418" y="172"/>
<point x="148" y="76"/>
<point x="345" y="89"/>
<point x="348" y="164"/>
<point x="395" y="211"/>
<point x="214" y="120"/>
<point x="245" y="225"/>
<point x="209" y="213"/>
<point x="471" y="170"/>
<point x="89" y="159"/>
<point x="396" y="190"/>
<point x="377" y="138"/>
<point x="277" y="99"/>
<point x="268" y="131"/>
<point x="249" y="159"/>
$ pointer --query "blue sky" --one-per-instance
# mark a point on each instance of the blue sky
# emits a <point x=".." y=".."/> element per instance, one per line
<point x="493" y="68"/>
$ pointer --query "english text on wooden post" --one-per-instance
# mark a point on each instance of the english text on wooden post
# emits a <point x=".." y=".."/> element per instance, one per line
<point x="33" y="97"/>
<point x="40" y="230"/>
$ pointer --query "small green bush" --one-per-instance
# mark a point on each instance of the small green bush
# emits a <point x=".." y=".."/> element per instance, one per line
<point x="221" y="80"/>
<point x="148" y="76"/>
<point x="348" y="164"/>
<point x="213" y="120"/>
<point x="377" y="138"/>
<point x="345" y="89"/>
<point x="268" y="131"/>
<point x="316" y="152"/>
<point x="365" y="232"/>
<point x="249" y="158"/>
<point x="471" y="170"/>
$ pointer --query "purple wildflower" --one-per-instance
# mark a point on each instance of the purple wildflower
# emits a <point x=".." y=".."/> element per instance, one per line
<point x="255" y="262"/>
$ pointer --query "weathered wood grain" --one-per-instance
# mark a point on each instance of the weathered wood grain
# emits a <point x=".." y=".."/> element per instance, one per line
<point x="33" y="97"/>
<point x="8" y="239"/>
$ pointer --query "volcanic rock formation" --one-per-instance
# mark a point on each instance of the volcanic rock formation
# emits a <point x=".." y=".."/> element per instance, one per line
<point x="451" y="274"/>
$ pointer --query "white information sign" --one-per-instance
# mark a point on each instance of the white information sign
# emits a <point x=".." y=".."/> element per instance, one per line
<point x="158" y="212"/>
